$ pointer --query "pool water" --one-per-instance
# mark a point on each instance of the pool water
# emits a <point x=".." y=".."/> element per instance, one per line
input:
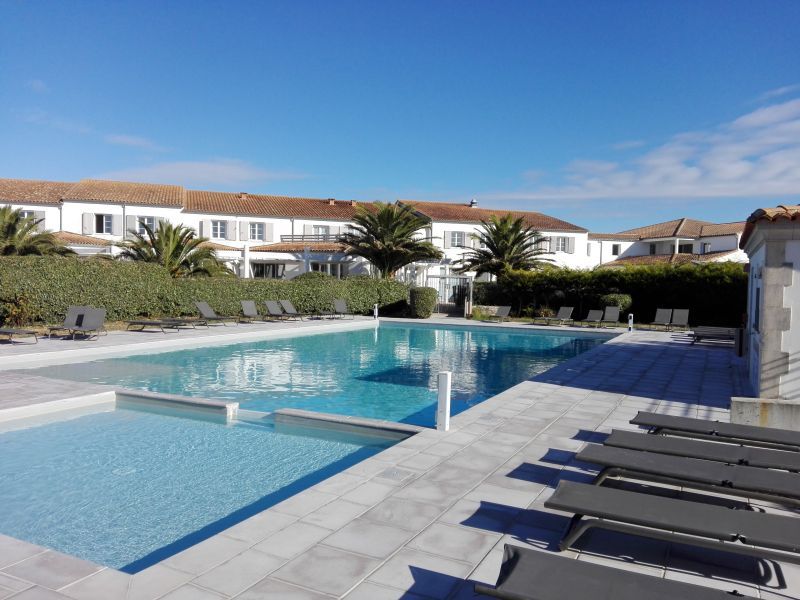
<point x="385" y="373"/>
<point x="127" y="488"/>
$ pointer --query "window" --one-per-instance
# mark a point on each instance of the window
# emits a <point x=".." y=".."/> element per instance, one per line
<point x="26" y="214"/>
<point x="219" y="229"/>
<point x="684" y="248"/>
<point x="257" y="231"/>
<point x="706" y="247"/>
<point x="588" y="249"/>
<point x="560" y="244"/>
<point x="757" y="310"/>
<point x="148" y="221"/>
<point x="321" y="230"/>
<point x="338" y="270"/>
<point x="458" y="239"/>
<point x="103" y="224"/>
<point x="267" y="271"/>
<point x="652" y="248"/>
<point x="615" y="249"/>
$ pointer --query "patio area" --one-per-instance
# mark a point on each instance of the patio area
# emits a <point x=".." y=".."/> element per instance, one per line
<point x="429" y="517"/>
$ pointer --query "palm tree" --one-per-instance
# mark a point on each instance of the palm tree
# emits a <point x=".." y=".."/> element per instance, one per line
<point x="386" y="238"/>
<point x="20" y="235"/>
<point x="504" y="243"/>
<point x="176" y="248"/>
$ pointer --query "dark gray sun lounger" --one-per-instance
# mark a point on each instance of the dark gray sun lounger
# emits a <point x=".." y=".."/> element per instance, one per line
<point x="11" y="332"/>
<point x="696" y="473"/>
<point x="663" y="317"/>
<point x="340" y="309"/>
<point x="250" y="312"/>
<point x="749" y="435"/>
<point x="594" y="316"/>
<point x="208" y="315"/>
<point x="73" y="318"/>
<point x="527" y="574"/>
<point x="720" y="334"/>
<point x="752" y="533"/>
<point x="291" y="311"/>
<point x="94" y="320"/>
<point x="501" y="314"/>
<point x="680" y="318"/>
<point x="727" y="453"/>
<point x="274" y="309"/>
<point x="161" y="324"/>
<point x="564" y="315"/>
<point x="611" y="315"/>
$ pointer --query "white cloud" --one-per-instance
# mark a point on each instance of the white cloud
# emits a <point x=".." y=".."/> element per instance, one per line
<point x="757" y="154"/>
<point x="628" y="144"/>
<point x="37" y="85"/>
<point x="777" y="92"/>
<point x="134" y="141"/>
<point x="221" y="171"/>
<point x="38" y="116"/>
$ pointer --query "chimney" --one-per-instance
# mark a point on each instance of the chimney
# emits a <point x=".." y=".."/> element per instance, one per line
<point x="331" y="201"/>
<point x="353" y="202"/>
<point x="242" y="195"/>
<point x="473" y="203"/>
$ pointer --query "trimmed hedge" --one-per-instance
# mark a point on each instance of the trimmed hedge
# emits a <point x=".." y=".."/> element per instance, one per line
<point x="714" y="293"/>
<point x="422" y="302"/>
<point x="40" y="288"/>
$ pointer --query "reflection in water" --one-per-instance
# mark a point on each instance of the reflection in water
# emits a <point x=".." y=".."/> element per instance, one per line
<point x="388" y="373"/>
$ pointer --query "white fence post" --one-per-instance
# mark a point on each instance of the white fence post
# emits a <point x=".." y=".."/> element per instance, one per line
<point x="445" y="381"/>
<point x="375" y="311"/>
<point x="630" y="322"/>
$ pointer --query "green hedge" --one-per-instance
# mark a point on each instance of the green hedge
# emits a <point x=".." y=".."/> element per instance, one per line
<point x="38" y="289"/>
<point x="714" y="293"/>
<point x="422" y="302"/>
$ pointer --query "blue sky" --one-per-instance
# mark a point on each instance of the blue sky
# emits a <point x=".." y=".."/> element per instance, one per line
<point x="608" y="114"/>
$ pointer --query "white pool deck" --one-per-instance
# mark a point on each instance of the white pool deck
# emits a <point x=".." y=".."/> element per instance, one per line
<point x="429" y="516"/>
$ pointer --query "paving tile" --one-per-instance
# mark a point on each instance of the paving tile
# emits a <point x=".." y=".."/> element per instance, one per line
<point x="417" y="572"/>
<point x="371" y="591"/>
<point x="12" y="584"/>
<point x="52" y="569"/>
<point x="293" y="540"/>
<point x="406" y="514"/>
<point x="272" y="589"/>
<point x="206" y="555"/>
<point x="335" y="514"/>
<point x="369" y="493"/>
<point x="40" y="593"/>
<point x="518" y="498"/>
<point x="239" y="573"/>
<point x="302" y="504"/>
<point x="480" y="515"/>
<point x="327" y="570"/>
<point x="108" y="583"/>
<point x="155" y="581"/>
<point x="191" y="592"/>
<point x="340" y="483"/>
<point x="367" y="537"/>
<point x="422" y="461"/>
<point x="13" y="550"/>
<point x="454" y="542"/>
<point x="260" y="526"/>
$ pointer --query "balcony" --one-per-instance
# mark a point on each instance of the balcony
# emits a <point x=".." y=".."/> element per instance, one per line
<point x="311" y="237"/>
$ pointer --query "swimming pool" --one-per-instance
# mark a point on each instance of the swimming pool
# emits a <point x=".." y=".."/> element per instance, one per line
<point x="384" y="373"/>
<point x="127" y="488"/>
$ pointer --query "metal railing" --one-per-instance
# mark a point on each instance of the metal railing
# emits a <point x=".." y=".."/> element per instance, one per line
<point x="311" y="237"/>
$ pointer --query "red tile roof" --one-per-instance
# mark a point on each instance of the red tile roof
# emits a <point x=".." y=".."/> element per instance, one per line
<point x="76" y="239"/>
<point x="299" y="247"/>
<point x="622" y="237"/>
<point x="221" y="247"/>
<point x="688" y="228"/>
<point x="144" y="194"/>
<point x="670" y="259"/>
<point x="32" y="191"/>
<point x="464" y="213"/>
<point x="271" y="206"/>
<point x="782" y="212"/>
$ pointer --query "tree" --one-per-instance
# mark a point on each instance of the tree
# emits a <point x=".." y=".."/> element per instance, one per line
<point x="20" y="235"/>
<point x="386" y="238"/>
<point x="175" y="247"/>
<point x="505" y="243"/>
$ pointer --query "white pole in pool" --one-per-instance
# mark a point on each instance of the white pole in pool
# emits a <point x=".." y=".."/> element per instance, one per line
<point x="630" y="322"/>
<point x="443" y="407"/>
<point x="375" y="311"/>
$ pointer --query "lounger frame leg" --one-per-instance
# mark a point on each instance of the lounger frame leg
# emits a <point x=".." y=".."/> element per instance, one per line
<point x="731" y="545"/>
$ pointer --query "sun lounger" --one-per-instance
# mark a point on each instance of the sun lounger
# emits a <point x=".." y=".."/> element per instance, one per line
<point x="750" y="435"/>
<point x="696" y="473"/>
<point x="208" y="315"/>
<point x="92" y="325"/>
<point x="274" y="310"/>
<point x="73" y="318"/>
<point x="563" y="316"/>
<point x="11" y="332"/>
<point x="663" y="317"/>
<point x="501" y="314"/>
<point x="751" y="533"/>
<point x="722" y="334"/>
<point x="161" y="324"/>
<point x="528" y="574"/>
<point x="291" y="311"/>
<point x="726" y="453"/>
<point x="680" y="318"/>
<point x="340" y="309"/>
<point x="594" y="316"/>
<point x="611" y="316"/>
<point x="249" y="312"/>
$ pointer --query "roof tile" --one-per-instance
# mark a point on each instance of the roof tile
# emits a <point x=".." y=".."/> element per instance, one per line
<point x="32" y="191"/>
<point x="298" y="247"/>
<point x="787" y="212"/>
<point x="271" y="206"/>
<point x="669" y="259"/>
<point x="145" y="194"/>
<point x="76" y="239"/>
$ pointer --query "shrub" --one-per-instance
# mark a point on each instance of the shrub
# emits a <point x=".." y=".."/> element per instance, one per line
<point x="422" y="302"/>
<point x="543" y="312"/>
<point x="128" y="290"/>
<point x="621" y="301"/>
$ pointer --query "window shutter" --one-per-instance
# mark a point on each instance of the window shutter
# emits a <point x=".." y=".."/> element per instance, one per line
<point x="88" y="224"/>
<point x="548" y="243"/>
<point x="131" y="224"/>
<point x="244" y="230"/>
<point x="308" y="229"/>
<point x="205" y="229"/>
<point x="38" y="215"/>
<point x="570" y="245"/>
<point x="230" y="230"/>
<point x="158" y="221"/>
<point x="268" y="232"/>
<point x="116" y="224"/>
<point x="476" y="243"/>
<point x="448" y="238"/>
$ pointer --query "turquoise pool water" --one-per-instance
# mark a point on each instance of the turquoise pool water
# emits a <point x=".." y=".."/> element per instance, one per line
<point x="127" y="488"/>
<point x="386" y="373"/>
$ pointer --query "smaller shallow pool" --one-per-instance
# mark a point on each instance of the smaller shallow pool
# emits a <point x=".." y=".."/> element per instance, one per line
<point x="127" y="488"/>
